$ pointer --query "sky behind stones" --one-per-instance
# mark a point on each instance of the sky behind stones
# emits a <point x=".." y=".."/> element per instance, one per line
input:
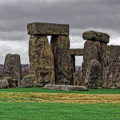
<point x="81" y="15"/>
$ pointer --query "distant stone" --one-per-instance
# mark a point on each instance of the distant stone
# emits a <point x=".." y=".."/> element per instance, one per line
<point x="93" y="74"/>
<point x="96" y="36"/>
<point x="28" y="81"/>
<point x="12" y="67"/>
<point x="47" y="29"/>
<point x="76" y="78"/>
<point x="4" y="83"/>
<point x="65" y="87"/>
<point x="76" y="52"/>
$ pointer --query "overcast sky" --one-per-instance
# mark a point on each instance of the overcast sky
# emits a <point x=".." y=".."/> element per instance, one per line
<point x="81" y="15"/>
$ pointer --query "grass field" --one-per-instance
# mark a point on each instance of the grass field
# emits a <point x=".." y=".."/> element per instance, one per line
<point x="41" y="104"/>
<point x="42" y="90"/>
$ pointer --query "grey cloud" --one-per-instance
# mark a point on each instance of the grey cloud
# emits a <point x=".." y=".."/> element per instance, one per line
<point x="14" y="35"/>
<point x="77" y="13"/>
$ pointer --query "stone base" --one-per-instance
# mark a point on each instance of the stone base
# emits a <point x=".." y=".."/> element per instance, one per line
<point x="65" y="87"/>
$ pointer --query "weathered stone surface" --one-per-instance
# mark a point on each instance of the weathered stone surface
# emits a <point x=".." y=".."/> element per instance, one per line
<point x="111" y="68"/>
<point x="93" y="35"/>
<point x="76" y="79"/>
<point x="12" y="67"/>
<point x="41" y="60"/>
<point x="60" y="47"/>
<point x="93" y="50"/>
<point x="28" y="81"/>
<point x="4" y="83"/>
<point x="93" y="74"/>
<point x="76" y="52"/>
<point x="72" y="69"/>
<point x="12" y="82"/>
<point x="65" y="87"/>
<point x="47" y="29"/>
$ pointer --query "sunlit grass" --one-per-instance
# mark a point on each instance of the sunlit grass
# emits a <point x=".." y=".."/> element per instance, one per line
<point x="59" y="97"/>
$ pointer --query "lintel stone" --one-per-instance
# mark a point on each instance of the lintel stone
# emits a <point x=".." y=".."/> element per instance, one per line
<point x="76" y="52"/>
<point x="47" y="29"/>
<point x="96" y="36"/>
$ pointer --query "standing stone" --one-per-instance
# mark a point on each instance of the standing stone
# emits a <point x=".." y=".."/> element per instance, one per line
<point x="60" y="47"/>
<point x="41" y="60"/>
<point x="93" y="74"/>
<point x="73" y="53"/>
<point x="94" y="48"/>
<point x="76" y="78"/>
<point x="72" y="69"/>
<point x="12" y="67"/>
<point x="111" y="68"/>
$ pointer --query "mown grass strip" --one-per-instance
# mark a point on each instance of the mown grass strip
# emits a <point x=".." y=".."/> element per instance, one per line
<point x="58" y="111"/>
<point x="59" y="97"/>
<point x="42" y="90"/>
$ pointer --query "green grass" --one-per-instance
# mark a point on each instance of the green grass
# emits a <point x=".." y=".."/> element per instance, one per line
<point x="58" y="111"/>
<point x="42" y="90"/>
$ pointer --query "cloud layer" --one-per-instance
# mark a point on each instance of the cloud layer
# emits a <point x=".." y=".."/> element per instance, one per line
<point x="81" y="15"/>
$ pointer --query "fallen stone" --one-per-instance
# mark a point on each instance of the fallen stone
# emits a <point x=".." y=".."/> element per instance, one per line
<point x="47" y="29"/>
<point x="4" y="83"/>
<point x="12" y="82"/>
<point x="65" y="87"/>
<point x="97" y="36"/>
<point x="28" y="81"/>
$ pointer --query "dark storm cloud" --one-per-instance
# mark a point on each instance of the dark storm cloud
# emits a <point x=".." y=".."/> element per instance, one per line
<point x="77" y="13"/>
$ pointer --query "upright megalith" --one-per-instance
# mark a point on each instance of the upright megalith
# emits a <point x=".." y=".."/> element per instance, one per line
<point x="94" y="48"/>
<point x="93" y="74"/>
<point x="41" y="60"/>
<point x="44" y="61"/>
<point x="60" y="46"/>
<point x="12" y="67"/>
<point x="111" y="68"/>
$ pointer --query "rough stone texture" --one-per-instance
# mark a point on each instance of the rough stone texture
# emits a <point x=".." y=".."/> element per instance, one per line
<point x="12" y="67"/>
<point x="93" y="50"/>
<point x="28" y="81"/>
<point x="93" y="74"/>
<point x="76" y="52"/>
<point x="72" y="69"/>
<point x="65" y="87"/>
<point x="47" y="29"/>
<point x="60" y="47"/>
<point x="111" y="71"/>
<point x="4" y="83"/>
<point x="93" y="35"/>
<point x="12" y="82"/>
<point x="76" y="79"/>
<point x="41" y="60"/>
